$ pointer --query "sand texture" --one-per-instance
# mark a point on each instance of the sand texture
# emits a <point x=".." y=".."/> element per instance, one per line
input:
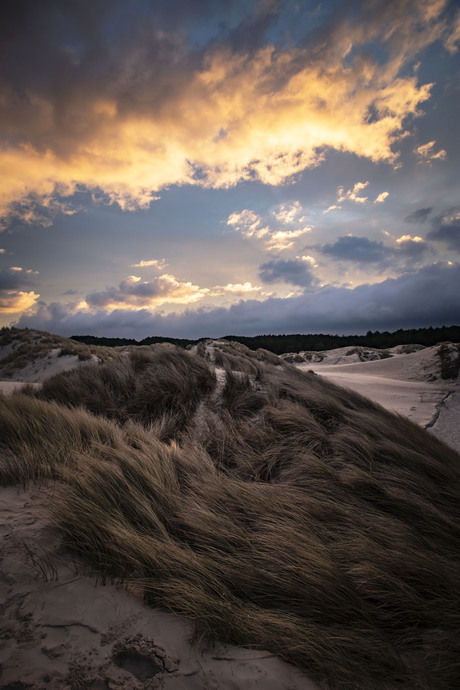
<point x="62" y="629"/>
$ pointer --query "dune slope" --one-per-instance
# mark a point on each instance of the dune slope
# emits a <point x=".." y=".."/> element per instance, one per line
<point x="271" y="508"/>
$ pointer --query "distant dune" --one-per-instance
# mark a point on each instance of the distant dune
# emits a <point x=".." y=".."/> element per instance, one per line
<point x="308" y="534"/>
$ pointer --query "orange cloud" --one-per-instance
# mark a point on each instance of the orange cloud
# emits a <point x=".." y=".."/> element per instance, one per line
<point x="427" y="154"/>
<point x="14" y="296"/>
<point x="264" y="116"/>
<point x="13" y="302"/>
<point x="352" y="194"/>
<point x="134" y="294"/>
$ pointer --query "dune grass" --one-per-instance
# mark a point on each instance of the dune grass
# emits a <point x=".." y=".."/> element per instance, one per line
<point x="145" y="386"/>
<point x="275" y="511"/>
<point x="20" y="346"/>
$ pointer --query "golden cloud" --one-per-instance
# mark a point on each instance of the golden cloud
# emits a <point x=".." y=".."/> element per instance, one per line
<point x="284" y="239"/>
<point x="135" y="294"/>
<point x="352" y="194"/>
<point x="264" y="116"/>
<point x="15" y="301"/>
<point x="427" y="154"/>
<point x="249" y="224"/>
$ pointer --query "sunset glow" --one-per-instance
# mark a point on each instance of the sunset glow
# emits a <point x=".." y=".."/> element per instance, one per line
<point x="169" y="171"/>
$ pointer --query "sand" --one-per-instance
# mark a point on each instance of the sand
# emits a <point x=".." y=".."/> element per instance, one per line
<point x="8" y="387"/>
<point x="62" y="630"/>
<point x="408" y="384"/>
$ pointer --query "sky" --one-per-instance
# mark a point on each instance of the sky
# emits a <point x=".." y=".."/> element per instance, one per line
<point x="192" y="169"/>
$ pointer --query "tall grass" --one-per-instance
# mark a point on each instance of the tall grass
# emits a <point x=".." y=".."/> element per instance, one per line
<point x="145" y="386"/>
<point x="282" y="512"/>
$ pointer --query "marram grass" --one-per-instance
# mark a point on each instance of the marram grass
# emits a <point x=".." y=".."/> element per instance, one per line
<point x="272" y="508"/>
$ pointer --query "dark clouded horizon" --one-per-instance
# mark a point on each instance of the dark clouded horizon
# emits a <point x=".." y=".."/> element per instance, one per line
<point x="195" y="169"/>
<point x="410" y="301"/>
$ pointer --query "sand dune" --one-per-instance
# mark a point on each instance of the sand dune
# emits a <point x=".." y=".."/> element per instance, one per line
<point x="62" y="628"/>
<point x="406" y="383"/>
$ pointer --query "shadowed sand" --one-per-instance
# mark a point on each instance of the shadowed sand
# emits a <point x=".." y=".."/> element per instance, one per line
<point x="62" y="630"/>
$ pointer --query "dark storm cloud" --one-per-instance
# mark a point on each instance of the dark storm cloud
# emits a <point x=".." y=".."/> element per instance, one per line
<point x="363" y="251"/>
<point x="126" y="291"/>
<point x="292" y="271"/>
<point x="359" y="249"/>
<point x="391" y="304"/>
<point x="446" y="229"/>
<point x="16" y="278"/>
<point x="418" y="216"/>
<point x="71" y="54"/>
<point x="411" y="249"/>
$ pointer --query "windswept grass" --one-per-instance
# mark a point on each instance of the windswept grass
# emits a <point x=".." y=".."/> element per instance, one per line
<point x="159" y="382"/>
<point x="275" y="511"/>
<point x="38" y="439"/>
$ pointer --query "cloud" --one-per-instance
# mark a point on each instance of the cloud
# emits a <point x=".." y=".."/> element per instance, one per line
<point x="16" y="277"/>
<point x="130" y="121"/>
<point x="352" y="194"/>
<point x="408" y="238"/>
<point x="359" y="249"/>
<point x="292" y="271"/>
<point x="288" y="213"/>
<point x="411" y="248"/>
<point x="236" y="289"/>
<point x="364" y="251"/>
<point x="35" y="210"/>
<point x="446" y="229"/>
<point x="389" y="305"/>
<point x="381" y="197"/>
<point x="134" y="293"/>
<point x="13" y="297"/>
<point x="250" y="224"/>
<point x="284" y="239"/>
<point x="418" y="216"/>
<point x="454" y="36"/>
<point x="247" y="222"/>
<point x="157" y="263"/>
<point x="426" y="153"/>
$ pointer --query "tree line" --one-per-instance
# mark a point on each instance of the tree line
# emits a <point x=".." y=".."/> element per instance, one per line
<point x="279" y="344"/>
